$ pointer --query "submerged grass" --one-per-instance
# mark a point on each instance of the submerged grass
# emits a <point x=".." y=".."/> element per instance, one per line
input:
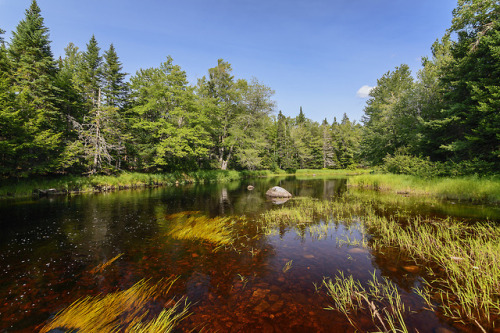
<point x="190" y="225"/>
<point x="122" y="311"/>
<point x="474" y="189"/>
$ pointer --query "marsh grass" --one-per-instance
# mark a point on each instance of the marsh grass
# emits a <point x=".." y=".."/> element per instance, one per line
<point x="122" y="311"/>
<point x="466" y="281"/>
<point x="381" y="299"/>
<point x="474" y="189"/>
<point x="462" y="261"/>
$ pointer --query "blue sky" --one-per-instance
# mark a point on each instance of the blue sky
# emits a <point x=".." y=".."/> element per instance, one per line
<point x="314" y="53"/>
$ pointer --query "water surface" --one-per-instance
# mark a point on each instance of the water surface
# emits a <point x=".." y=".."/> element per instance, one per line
<point x="50" y="247"/>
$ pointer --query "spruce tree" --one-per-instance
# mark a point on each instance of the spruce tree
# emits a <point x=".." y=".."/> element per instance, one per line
<point x="34" y="70"/>
<point x="91" y="72"/>
<point x="114" y="86"/>
<point x="9" y="122"/>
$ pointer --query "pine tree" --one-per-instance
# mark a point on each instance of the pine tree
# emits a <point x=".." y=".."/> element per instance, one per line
<point x="91" y="72"/>
<point x="9" y="122"/>
<point x="301" y="118"/>
<point x="326" y="139"/>
<point x="114" y="86"/>
<point x="34" y="71"/>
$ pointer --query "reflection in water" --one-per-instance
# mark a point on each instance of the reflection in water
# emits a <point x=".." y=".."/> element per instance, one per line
<point x="49" y="247"/>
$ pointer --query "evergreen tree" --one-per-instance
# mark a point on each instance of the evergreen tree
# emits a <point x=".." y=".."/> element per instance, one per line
<point x="114" y="86"/>
<point x="327" y="146"/>
<point x="9" y="120"/>
<point x="301" y="118"/>
<point x="33" y="72"/>
<point x="91" y="72"/>
<point x="471" y="81"/>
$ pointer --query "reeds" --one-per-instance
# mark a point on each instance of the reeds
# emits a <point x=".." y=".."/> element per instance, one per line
<point x="122" y="311"/>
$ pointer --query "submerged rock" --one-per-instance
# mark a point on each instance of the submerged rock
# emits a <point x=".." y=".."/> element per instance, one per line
<point x="278" y="192"/>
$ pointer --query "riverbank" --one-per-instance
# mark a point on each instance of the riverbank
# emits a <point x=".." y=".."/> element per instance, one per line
<point x="72" y="184"/>
<point x="126" y="180"/>
<point x="472" y="189"/>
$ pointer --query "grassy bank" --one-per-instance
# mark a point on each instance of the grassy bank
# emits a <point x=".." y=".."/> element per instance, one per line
<point x="473" y="189"/>
<point x="100" y="183"/>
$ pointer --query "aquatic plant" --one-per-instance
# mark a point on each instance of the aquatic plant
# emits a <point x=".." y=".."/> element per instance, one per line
<point x="125" y="311"/>
<point x="462" y="260"/>
<point x="101" y="267"/>
<point x="466" y="282"/>
<point x="381" y="300"/>
<point x="190" y="225"/>
<point x="288" y="266"/>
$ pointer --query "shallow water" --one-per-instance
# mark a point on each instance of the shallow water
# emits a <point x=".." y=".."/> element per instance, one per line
<point x="50" y="247"/>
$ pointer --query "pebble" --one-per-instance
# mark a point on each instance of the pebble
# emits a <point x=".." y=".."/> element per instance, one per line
<point x="411" y="269"/>
<point x="261" y="307"/>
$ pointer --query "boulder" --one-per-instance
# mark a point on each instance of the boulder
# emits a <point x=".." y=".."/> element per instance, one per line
<point x="278" y="192"/>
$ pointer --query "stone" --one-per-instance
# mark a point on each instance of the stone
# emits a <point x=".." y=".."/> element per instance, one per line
<point x="250" y="187"/>
<point x="357" y="250"/>
<point x="278" y="192"/>
<point x="276" y="306"/>
<point x="411" y="269"/>
<point x="261" y="307"/>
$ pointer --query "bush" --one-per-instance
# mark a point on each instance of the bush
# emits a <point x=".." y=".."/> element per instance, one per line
<point x="423" y="167"/>
<point x="411" y="165"/>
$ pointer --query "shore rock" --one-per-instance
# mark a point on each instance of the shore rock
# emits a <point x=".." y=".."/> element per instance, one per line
<point x="278" y="192"/>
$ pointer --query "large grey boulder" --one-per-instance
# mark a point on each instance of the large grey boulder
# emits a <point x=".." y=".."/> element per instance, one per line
<point x="278" y="192"/>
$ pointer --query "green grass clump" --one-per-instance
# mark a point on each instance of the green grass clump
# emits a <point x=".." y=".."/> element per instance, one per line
<point x="466" y="281"/>
<point x="381" y="300"/>
<point x="474" y="189"/>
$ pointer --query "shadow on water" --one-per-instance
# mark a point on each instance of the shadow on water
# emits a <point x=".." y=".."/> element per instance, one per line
<point x="238" y="277"/>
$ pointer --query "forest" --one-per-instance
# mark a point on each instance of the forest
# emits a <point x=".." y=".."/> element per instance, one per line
<point x="82" y="114"/>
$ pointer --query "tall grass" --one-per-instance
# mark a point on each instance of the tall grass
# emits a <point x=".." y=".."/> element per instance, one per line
<point x="474" y="189"/>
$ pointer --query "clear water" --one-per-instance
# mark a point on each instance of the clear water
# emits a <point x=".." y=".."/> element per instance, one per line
<point x="49" y="246"/>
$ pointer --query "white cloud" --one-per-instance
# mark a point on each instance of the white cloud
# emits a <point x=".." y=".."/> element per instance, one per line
<point x="364" y="91"/>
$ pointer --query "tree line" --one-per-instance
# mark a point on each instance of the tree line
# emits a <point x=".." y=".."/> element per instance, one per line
<point x="79" y="114"/>
<point x="450" y="113"/>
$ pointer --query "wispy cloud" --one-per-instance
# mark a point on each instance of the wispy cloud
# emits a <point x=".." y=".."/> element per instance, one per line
<point x="364" y="91"/>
